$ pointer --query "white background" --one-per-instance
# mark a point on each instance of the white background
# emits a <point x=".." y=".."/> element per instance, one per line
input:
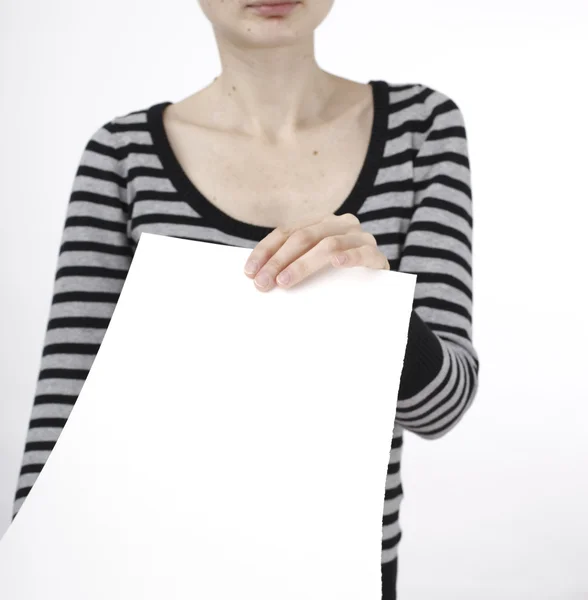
<point x="497" y="508"/>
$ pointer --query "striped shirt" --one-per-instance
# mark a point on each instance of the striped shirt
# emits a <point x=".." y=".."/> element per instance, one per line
<point x="413" y="194"/>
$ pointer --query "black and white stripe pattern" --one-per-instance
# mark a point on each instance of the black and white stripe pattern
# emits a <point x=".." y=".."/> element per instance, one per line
<point x="418" y="205"/>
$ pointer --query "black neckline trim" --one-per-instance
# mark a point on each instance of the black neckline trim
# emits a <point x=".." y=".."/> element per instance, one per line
<point x="227" y="224"/>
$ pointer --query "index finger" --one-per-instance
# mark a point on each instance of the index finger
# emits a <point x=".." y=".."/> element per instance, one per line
<point x="270" y="244"/>
<point x="264" y="250"/>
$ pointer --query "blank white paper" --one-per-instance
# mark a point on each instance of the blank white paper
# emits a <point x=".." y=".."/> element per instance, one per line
<point x="227" y="443"/>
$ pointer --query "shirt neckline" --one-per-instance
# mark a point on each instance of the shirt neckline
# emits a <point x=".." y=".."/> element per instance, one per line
<point x="217" y="218"/>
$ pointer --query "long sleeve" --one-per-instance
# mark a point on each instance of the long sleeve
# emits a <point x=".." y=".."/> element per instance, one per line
<point x="440" y="374"/>
<point x="93" y="261"/>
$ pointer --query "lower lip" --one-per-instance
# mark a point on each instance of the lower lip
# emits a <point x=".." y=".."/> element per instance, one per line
<point x="274" y="10"/>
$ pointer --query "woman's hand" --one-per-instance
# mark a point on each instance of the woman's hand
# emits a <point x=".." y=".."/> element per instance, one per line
<point x="287" y="256"/>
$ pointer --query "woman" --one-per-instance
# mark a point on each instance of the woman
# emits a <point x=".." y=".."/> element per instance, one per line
<point x="305" y="168"/>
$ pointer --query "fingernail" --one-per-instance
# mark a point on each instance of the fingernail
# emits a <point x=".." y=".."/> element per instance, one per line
<point x="251" y="267"/>
<point x="284" y="278"/>
<point x="262" y="280"/>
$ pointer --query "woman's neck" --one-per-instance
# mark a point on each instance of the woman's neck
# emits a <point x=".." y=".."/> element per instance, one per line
<point x="272" y="92"/>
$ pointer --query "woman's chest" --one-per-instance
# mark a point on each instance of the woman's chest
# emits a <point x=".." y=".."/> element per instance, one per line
<point x="212" y="190"/>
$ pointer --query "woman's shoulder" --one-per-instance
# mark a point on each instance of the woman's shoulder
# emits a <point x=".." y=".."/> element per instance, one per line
<point x="125" y="128"/>
<point x="426" y="108"/>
